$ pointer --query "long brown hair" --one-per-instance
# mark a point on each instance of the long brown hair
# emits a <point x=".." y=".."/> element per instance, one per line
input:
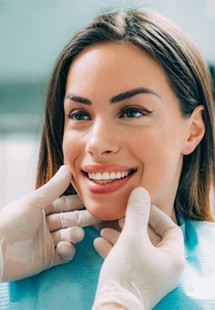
<point x="188" y="76"/>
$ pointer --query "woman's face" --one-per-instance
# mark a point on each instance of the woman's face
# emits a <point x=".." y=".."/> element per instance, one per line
<point x="123" y="129"/>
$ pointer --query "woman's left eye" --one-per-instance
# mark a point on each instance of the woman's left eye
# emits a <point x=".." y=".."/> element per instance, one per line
<point x="133" y="112"/>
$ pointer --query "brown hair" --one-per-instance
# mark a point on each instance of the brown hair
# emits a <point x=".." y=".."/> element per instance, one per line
<point x="188" y="76"/>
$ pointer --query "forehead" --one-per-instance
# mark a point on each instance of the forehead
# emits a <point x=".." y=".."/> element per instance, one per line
<point x="123" y="55"/>
<point x="116" y="66"/>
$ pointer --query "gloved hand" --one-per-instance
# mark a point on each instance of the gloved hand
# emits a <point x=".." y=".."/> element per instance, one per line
<point x="136" y="274"/>
<point x="110" y="235"/>
<point x="36" y="233"/>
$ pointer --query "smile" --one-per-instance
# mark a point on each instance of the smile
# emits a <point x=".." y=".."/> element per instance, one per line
<point x="106" y="177"/>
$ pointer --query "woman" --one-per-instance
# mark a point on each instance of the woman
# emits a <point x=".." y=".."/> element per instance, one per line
<point x="130" y="104"/>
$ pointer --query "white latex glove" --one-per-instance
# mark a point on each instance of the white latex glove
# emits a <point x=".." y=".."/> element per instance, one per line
<point x="109" y="237"/>
<point x="28" y="243"/>
<point x="136" y="274"/>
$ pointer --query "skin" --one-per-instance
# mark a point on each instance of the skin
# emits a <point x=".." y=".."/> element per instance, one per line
<point x="145" y="134"/>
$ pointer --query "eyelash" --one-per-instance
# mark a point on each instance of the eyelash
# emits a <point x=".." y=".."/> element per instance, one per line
<point x="140" y="111"/>
<point x="77" y="114"/>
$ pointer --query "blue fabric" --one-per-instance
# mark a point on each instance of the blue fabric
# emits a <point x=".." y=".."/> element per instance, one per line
<point x="73" y="286"/>
<point x="196" y="289"/>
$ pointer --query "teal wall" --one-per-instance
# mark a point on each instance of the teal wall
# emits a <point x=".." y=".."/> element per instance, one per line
<point x="33" y="32"/>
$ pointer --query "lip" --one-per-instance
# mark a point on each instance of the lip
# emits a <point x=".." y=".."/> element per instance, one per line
<point x="106" y="188"/>
<point x="105" y="167"/>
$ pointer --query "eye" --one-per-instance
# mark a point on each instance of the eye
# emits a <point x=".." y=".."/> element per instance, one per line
<point x="133" y="112"/>
<point x="78" y="115"/>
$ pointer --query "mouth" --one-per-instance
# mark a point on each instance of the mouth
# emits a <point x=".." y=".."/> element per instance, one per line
<point x="108" y="176"/>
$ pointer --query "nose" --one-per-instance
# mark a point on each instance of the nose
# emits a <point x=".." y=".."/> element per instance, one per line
<point x="102" y="140"/>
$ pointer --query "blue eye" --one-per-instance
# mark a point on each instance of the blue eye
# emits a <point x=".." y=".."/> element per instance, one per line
<point x="78" y="115"/>
<point x="133" y="112"/>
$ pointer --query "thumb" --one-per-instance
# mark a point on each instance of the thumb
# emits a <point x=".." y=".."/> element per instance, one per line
<point x="138" y="209"/>
<point x="55" y="187"/>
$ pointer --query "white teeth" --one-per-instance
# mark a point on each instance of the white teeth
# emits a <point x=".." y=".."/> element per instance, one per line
<point x="105" y="176"/>
<point x="118" y="175"/>
<point x="112" y="175"/>
<point x="108" y="176"/>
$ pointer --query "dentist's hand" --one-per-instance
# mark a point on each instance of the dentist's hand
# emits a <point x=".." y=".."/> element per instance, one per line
<point x="109" y="236"/>
<point x="39" y="230"/>
<point x="136" y="274"/>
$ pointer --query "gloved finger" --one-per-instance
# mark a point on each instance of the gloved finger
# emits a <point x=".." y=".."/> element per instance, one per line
<point x="65" y="204"/>
<point x="102" y="246"/>
<point x="46" y="194"/>
<point x="154" y="237"/>
<point x="110" y="234"/>
<point x="121" y="222"/>
<point x="72" y="234"/>
<point x="173" y="240"/>
<point x="67" y="219"/>
<point x="166" y="228"/>
<point x="64" y="253"/>
<point x="160" y="221"/>
<point x="137" y="212"/>
<point x="172" y="237"/>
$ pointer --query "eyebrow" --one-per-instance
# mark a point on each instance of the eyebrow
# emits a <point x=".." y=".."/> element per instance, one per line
<point x="133" y="92"/>
<point x="79" y="99"/>
<point x="122" y="96"/>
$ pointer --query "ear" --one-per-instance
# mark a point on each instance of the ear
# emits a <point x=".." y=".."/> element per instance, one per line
<point x="196" y="130"/>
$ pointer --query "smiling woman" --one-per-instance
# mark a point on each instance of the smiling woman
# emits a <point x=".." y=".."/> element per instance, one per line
<point x="104" y="128"/>
<point x="130" y="105"/>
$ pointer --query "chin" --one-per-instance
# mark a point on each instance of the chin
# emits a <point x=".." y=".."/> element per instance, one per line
<point x="104" y="214"/>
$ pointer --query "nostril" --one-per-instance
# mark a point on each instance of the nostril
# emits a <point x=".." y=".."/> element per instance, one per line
<point x="99" y="150"/>
<point x="107" y="152"/>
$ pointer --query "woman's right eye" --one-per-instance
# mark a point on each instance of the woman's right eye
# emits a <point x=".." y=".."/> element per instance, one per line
<point x="78" y="115"/>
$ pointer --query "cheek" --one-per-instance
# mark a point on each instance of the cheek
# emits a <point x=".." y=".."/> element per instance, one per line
<point x="66" y="148"/>
<point x="73" y="152"/>
<point x="69" y="151"/>
<point x="70" y="154"/>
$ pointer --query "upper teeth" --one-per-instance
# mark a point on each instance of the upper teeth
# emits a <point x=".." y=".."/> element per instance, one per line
<point x="108" y="175"/>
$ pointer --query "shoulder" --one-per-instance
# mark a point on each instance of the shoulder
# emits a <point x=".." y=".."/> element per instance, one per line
<point x="199" y="238"/>
<point x="200" y="229"/>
